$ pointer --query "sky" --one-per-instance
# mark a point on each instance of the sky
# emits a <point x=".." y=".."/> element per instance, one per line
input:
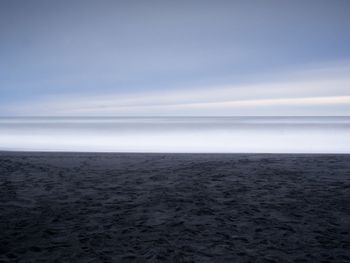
<point x="174" y="58"/>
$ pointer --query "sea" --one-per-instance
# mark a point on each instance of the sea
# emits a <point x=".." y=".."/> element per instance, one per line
<point x="176" y="134"/>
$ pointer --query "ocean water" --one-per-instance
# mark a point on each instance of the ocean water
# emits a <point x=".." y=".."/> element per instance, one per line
<point x="177" y="134"/>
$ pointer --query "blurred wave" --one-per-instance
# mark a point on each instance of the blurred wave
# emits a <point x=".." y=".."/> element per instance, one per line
<point x="177" y="134"/>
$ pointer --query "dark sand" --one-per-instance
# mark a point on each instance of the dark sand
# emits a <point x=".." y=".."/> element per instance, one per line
<point x="59" y="207"/>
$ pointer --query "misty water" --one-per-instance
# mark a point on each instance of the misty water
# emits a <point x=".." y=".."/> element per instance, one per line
<point x="177" y="134"/>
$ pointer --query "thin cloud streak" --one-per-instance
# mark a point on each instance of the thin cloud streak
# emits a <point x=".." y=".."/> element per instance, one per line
<point x="319" y="101"/>
<point x="310" y="92"/>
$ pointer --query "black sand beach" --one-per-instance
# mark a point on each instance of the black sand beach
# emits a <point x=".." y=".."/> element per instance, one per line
<point x="70" y="207"/>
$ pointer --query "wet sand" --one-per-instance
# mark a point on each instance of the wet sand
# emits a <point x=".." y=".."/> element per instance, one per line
<point x="71" y="207"/>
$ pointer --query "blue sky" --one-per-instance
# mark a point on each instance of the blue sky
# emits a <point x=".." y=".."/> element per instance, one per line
<point x="174" y="57"/>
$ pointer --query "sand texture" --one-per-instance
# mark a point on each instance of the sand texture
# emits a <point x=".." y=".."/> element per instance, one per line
<point x="70" y="207"/>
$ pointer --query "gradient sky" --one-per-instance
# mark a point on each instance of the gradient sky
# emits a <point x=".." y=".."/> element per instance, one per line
<point x="82" y="57"/>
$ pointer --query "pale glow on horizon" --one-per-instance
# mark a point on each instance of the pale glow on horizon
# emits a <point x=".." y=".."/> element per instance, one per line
<point x="302" y="93"/>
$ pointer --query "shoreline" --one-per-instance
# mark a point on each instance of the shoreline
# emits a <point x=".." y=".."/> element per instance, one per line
<point x="30" y="152"/>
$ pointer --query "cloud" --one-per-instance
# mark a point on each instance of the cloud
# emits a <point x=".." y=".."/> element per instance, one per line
<point x="323" y="91"/>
